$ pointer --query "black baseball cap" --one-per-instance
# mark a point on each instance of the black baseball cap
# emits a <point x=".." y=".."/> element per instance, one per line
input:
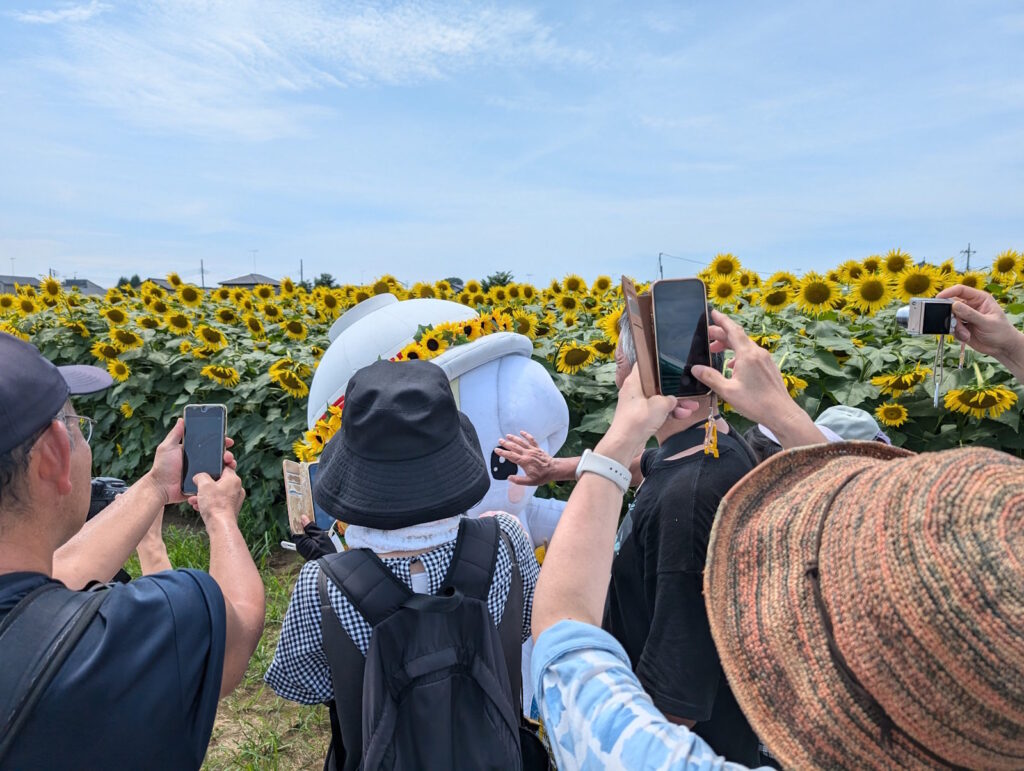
<point x="33" y="390"/>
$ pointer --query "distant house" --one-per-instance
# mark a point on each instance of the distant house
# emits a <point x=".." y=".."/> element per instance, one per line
<point x="7" y="283"/>
<point x="249" y="280"/>
<point x="83" y="285"/>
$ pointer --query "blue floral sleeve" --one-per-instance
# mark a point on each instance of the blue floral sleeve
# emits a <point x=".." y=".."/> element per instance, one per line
<point x="596" y="714"/>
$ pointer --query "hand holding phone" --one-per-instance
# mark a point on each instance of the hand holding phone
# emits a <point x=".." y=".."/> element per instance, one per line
<point x="680" y="313"/>
<point x="203" y="444"/>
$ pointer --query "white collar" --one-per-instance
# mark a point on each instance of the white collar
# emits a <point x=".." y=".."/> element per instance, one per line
<point x="414" y="538"/>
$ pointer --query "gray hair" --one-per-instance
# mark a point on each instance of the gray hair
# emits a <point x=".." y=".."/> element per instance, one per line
<point x="626" y="344"/>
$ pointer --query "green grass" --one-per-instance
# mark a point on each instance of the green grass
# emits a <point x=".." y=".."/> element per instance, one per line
<point x="255" y="728"/>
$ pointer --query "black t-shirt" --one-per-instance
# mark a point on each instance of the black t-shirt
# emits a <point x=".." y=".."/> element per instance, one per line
<point x="140" y="689"/>
<point x="655" y="604"/>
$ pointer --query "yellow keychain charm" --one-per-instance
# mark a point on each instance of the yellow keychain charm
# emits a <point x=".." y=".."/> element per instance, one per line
<point x="711" y="434"/>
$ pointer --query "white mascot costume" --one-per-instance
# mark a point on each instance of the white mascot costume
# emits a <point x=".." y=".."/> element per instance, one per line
<point x="496" y="384"/>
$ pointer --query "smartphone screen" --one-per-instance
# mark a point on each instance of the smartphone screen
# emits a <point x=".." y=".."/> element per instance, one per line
<point x="204" y="443"/>
<point x="323" y="519"/>
<point x="680" y="335"/>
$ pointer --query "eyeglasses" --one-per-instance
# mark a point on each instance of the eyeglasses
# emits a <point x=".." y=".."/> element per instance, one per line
<point x="84" y="424"/>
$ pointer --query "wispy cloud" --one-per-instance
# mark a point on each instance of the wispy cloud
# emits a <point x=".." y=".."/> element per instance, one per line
<point x="242" y="68"/>
<point x="64" y="13"/>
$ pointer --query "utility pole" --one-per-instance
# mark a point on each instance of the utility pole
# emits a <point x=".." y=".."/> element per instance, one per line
<point x="661" y="268"/>
<point x="968" y="251"/>
<point x="202" y="275"/>
<point x="302" y="278"/>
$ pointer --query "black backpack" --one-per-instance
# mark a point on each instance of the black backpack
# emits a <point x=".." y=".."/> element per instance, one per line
<point x="36" y="637"/>
<point x="440" y="686"/>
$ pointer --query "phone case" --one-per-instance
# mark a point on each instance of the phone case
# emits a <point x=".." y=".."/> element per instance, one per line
<point x="298" y="493"/>
<point x="638" y="311"/>
<point x="654" y="338"/>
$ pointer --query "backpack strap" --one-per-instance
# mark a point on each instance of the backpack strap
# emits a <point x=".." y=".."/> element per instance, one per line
<point x="476" y="551"/>
<point x="510" y="629"/>
<point x="375" y="592"/>
<point x="36" y="638"/>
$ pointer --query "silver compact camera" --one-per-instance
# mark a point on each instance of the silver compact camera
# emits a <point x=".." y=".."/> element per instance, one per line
<point x="927" y="317"/>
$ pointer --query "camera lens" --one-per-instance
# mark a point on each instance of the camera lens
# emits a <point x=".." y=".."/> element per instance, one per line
<point x="903" y="316"/>
<point x="203" y="408"/>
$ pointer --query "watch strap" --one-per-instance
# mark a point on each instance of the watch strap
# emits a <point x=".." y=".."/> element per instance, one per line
<point x="610" y="469"/>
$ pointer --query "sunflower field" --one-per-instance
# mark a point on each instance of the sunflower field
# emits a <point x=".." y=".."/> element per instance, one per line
<point x="833" y="334"/>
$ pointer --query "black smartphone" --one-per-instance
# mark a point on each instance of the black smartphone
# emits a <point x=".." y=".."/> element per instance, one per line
<point x="680" y="311"/>
<point x="203" y="450"/>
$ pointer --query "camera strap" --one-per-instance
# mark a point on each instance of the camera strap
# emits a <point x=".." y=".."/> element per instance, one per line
<point x="940" y="361"/>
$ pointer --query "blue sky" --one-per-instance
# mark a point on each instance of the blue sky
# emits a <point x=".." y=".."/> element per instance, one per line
<point x="435" y="139"/>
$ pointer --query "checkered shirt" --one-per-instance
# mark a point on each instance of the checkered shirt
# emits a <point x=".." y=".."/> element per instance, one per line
<point x="300" y="671"/>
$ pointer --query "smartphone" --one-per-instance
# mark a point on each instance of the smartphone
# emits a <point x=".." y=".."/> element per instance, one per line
<point x="298" y="488"/>
<point x="203" y="451"/>
<point x="323" y="520"/>
<point x="680" y="311"/>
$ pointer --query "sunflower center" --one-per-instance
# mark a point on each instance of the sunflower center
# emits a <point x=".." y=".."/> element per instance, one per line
<point x="432" y="344"/>
<point x="917" y="283"/>
<point x="1005" y="264"/>
<point x="895" y="264"/>
<point x="724" y="290"/>
<point x="775" y="299"/>
<point x="817" y="292"/>
<point x="872" y="291"/>
<point x="577" y="357"/>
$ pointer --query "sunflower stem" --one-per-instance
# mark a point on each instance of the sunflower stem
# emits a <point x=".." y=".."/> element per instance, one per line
<point x="977" y="375"/>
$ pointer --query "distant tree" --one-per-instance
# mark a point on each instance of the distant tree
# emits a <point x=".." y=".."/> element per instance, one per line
<point x="122" y="281"/>
<point x="135" y="281"/>
<point x="307" y="285"/>
<point x="500" y="278"/>
<point x="455" y="283"/>
<point x="325" y="279"/>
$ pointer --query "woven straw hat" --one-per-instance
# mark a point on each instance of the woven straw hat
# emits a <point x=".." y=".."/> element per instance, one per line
<point x="868" y="606"/>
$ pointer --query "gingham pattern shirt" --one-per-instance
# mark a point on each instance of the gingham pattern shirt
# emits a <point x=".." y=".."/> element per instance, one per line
<point x="597" y="715"/>
<point x="300" y="671"/>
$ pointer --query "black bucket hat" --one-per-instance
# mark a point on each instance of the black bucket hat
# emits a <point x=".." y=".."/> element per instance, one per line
<point x="405" y="455"/>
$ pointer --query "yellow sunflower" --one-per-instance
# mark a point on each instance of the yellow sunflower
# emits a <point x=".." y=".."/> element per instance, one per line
<point x="287" y="287"/>
<point x="412" y="352"/>
<point x="917" y="282"/>
<point x="899" y="382"/>
<point x="479" y="299"/>
<point x="27" y="305"/>
<point x="766" y="340"/>
<point x="7" y="302"/>
<point x="723" y="291"/>
<point x="295" y="329"/>
<point x="896" y="261"/>
<point x="975" y="279"/>
<point x="724" y="265"/>
<point x="433" y="342"/>
<point x="872" y="264"/>
<point x="601" y="285"/>
<point x="316" y="351"/>
<point x="422" y="290"/>
<point x="869" y="293"/>
<point x="192" y="296"/>
<point x="529" y="292"/>
<point x="126" y="410"/>
<point x="263" y="291"/>
<point x="210" y="337"/>
<point x="555" y="287"/>
<point x="159" y="307"/>
<point x="104" y="351"/>
<point x="572" y="357"/>
<point x="816" y="294"/>
<point x="793" y="383"/>
<point x="10" y="329"/>
<point x="472" y="286"/>
<point x="114" y="316"/>
<point x="570" y="320"/>
<point x="947" y="268"/>
<point x="851" y="270"/>
<point x="609" y="323"/>
<point x="575" y="284"/>
<point x="271" y="311"/>
<point x="114" y="296"/>
<point x="498" y="295"/>
<point x="525" y="323"/>
<point x="891" y="414"/>
<point x="471" y="328"/>
<point x="603" y="348"/>
<point x="976" y="401"/>
<point x="774" y="299"/>
<point x="148" y="322"/>
<point x="226" y="316"/>
<point x="1004" y="267"/>
<point x="77" y="327"/>
<point x="119" y="370"/>
<point x="381" y="286"/>
<point x="227" y="377"/>
<point x="443" y="288"/>
<point x="288" y="365"/>
<point x="174" y="279"/>
<point x="329" y="305"/>
<point x="178" y="323"/>
<point x="185" y="346"/>
<point x="50" y="287"/>
<point x="223" y="294"/>
<point x="566" y="303"/>
<point x="125" y="339"/>
<point x="255" y="327"/>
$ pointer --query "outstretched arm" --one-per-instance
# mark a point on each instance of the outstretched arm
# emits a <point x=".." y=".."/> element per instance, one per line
<point x="982" y="324"/>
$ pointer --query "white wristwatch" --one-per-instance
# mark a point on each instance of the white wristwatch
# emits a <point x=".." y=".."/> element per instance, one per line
<point x="610" y="469"/>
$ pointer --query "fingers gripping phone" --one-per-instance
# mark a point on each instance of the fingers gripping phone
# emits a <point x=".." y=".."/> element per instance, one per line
<point x="203" y="450"/>
<point x="680" y="313"/>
